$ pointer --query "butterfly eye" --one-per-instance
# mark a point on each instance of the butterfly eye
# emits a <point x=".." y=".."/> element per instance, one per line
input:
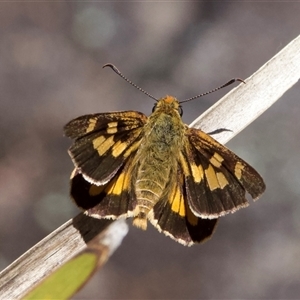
<point x="154" y="107"/>
<point x="180" y="111"/>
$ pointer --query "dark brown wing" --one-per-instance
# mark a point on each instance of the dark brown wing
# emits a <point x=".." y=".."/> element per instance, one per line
<point x="172" y="216"/>
<point x="110" y="201"/>
<point x="216" y="179"/>
<point x="103" y="142"/>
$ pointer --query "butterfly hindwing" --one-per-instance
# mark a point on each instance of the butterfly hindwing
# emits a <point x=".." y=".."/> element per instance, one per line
<point x="112" y="200"/>
<point x="216" y="179"/>
<point x="103" y="142"/>
<point x="173" y="217"/>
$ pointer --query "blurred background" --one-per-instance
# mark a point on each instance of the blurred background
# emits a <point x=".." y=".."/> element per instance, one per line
<point x="51" y="57"/>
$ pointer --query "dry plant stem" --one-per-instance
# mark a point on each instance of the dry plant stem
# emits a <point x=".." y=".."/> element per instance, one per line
<point x="51" y="252"/>
<point x="234" y="111"/>
<point x="244" y="104"/>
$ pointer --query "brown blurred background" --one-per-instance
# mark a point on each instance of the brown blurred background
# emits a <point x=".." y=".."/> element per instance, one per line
<point x="51" y="56"/>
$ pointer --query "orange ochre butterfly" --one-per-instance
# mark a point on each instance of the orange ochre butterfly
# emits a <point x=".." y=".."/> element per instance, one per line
<point x="157" y="169"/>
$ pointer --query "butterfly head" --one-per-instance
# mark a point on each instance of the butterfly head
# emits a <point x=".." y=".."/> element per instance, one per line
<point x="168" y="103"/>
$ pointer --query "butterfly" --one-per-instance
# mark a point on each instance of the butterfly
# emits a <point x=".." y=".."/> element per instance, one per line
<point x="157" y="169"/>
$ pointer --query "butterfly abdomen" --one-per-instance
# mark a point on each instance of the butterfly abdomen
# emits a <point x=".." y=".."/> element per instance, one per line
<point x="152" y="178"/>
<point x="157" y="158"/>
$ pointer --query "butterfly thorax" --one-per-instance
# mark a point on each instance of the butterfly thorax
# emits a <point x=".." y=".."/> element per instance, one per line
<point x="157" y="157"/>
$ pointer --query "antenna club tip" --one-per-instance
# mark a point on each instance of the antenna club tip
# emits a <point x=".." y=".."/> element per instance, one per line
<point x="115" y="69"/>
<point x="111" y="66"/>
<point x="239" y="79"/>
<point x="107" y="65"/>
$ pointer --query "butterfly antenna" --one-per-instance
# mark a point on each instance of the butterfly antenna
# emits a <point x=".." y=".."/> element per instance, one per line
<point x="231" y="81"/>
<point x="115" y="69"/>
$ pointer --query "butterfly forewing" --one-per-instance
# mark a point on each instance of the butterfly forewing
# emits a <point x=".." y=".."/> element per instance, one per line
<point x="109" y="123"/>
<point x="216" y="178"/>
<point x="242" y="171"/>
<point x="103" y="142"/>
<point x="211" y="191"/>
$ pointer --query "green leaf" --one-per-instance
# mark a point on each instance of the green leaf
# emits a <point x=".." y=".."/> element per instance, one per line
<point x="68" y="279"/>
